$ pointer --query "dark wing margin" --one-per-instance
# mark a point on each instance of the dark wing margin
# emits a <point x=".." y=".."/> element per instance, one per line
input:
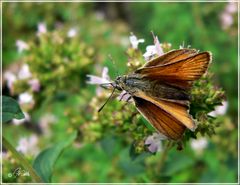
<point x="163" y="121"/>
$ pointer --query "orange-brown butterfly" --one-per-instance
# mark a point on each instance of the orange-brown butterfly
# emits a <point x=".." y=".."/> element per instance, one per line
<point x="161" y="89"/>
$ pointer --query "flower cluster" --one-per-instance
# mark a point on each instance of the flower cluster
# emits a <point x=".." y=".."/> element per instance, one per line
<point x="227" y="16"/>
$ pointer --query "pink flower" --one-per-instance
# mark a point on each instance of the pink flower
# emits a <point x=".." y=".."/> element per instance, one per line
<point x="219" y="110"/>
<point x="72" y="33"/>
<point x="21" y="46"/>
<point x="92" y="79"/>
<point x="226" y="16"/>
<point x="25" y="98"/>
<point x="154" y="142"/>
<point x="153" y="50"/>
<point x="28" y="145"/>
<point x="199" y="145"/>
<point x="226" y="20"/>
<point x="24" y="72"/>
<point x="45" y="123"/>
<point x="231" y="7"/>
<point x="104" y="79"/>
<point x="35" y="85"/>
<point x="10" y="78"/>
<point x="41" y="28"/>
<point x="135" y="41"/>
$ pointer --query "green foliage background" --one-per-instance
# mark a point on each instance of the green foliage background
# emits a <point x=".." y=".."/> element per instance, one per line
<point x="101" y="153"/>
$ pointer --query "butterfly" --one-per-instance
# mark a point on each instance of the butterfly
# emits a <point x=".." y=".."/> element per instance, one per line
<point x="161" y="89"/>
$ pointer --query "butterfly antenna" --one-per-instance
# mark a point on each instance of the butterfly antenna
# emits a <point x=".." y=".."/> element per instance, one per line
<point x="107" y="100"/>
<point x="114" y="64"/>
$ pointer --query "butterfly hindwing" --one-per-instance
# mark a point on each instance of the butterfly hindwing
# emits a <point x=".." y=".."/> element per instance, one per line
<point x="163" y="121"/>
<point x="176" y="108"/>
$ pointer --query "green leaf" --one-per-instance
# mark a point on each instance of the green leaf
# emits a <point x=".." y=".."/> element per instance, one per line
<point x="10" y="109"/>
<point x="108" y="144"/>
<point x="45" y="161"/>
<point x="184" y="161"/>
<point x="132" y="167"/>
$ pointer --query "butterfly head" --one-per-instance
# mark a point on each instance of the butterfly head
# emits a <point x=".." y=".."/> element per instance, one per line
<point x="119" y="83"/>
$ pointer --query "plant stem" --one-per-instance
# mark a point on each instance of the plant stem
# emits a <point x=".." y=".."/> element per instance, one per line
<point x="21" y="160"/>
<point x="164" y="156"/>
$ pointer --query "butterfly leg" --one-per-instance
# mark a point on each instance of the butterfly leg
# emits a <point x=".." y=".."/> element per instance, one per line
<point x="123" y="96"/>
<point x="129" y="98"/>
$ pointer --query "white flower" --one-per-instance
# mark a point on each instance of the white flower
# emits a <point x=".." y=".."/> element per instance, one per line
<point x="155" y="142"/>
<point x="24" y="72"/>
<point x="134" y="41"/>
<point x="219" y="110"/>
<point x="226" y="20"/>
<point x="153" y="50"/>
<point x="21" y="46"/>
<point x="35" y="84"/>
<point x="92" y="79"/>
<point x="72" y="33"/>
<point x="199" y="145"/>
<point x="41" y="28"/>
<point x="45" y="122"/>
<point x="28" y="145"/>
<point x="159" y="49"/>
<point x="25" y="98"/>
<point x="231" y="7"/>
<point x="10" y="78"/>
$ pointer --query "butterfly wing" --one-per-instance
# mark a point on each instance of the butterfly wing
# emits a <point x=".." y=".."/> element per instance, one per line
<point x="171" y="57"/>
<point x="177" y="68"/>
<point x="175" y="108"/>
<point x="162" y="120"/>
<point x="180" y="73"/>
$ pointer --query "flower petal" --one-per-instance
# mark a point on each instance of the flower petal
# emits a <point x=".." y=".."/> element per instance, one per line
<point x="124" y="96"/>
<point x="159" y="49"/>
<point x="134" y="41"/>
<point x="96" y="80"/>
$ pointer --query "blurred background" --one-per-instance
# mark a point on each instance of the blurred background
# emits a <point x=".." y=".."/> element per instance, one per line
<point x="49" y="48"/>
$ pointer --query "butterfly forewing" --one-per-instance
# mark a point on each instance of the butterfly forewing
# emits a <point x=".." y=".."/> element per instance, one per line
<point x="171" y="57"/>
<point x="180" y="73"/>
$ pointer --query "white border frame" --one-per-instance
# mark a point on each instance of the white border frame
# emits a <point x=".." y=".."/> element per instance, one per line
<point x="172" y="1"/>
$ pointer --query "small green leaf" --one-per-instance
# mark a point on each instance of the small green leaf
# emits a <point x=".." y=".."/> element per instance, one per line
<point x="108" y="144"/>
<point x="45" y="161"/>
<point x="10" y="109"/>
<point x="132" y="167"/>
